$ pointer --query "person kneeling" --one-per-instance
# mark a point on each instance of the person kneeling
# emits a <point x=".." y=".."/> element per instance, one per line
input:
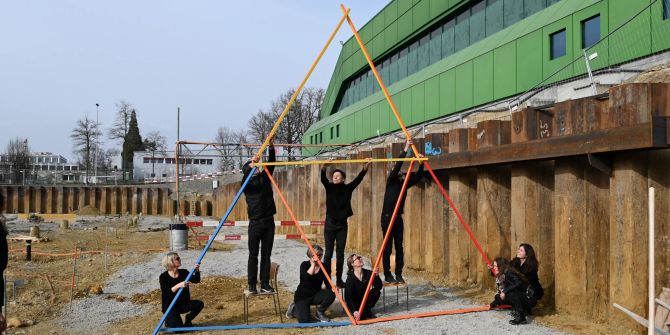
<point x="309" y="290"/>
<point x="511" y="289"/>
<point x="171" y="281"/>
<point x="357" y="281"/>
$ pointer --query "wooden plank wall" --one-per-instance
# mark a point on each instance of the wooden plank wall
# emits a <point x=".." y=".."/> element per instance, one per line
<point x="585" y="215"/>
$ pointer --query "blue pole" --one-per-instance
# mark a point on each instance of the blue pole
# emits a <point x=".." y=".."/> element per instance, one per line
<point x="263" y="326"/>
<point x="204" y="251"/>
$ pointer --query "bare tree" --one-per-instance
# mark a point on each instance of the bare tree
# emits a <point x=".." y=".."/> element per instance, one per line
<point x="121" y="124"/>
<point x="155" y="141"/>
<point x="302" y="114"/>
<point x="260" y="125"/>
<point x="18" y="157"/>
<point x="85" y="137"/>
<point x="231" y="152"/>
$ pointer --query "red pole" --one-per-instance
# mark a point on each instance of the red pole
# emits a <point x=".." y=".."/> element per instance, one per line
<point x="458" y="215"/>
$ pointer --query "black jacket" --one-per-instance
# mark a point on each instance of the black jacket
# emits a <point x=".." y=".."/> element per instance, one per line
<point x="354" y="289"/>
<point x="338" y="196"/>
<point x="167" y="282"/>
<point x="258" y="193"/>
<point x="394" y="185"/>
<point x="513" y="282"/>
<point x="531" y="275"/>
<point x="309" y="284"/>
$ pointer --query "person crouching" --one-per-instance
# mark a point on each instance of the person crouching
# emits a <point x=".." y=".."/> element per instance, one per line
<point x="309" y="290"/>
<point x="171" y="281"/>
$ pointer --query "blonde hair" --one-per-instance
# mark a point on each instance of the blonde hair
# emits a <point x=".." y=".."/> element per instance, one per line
<point x="168" y="260"/>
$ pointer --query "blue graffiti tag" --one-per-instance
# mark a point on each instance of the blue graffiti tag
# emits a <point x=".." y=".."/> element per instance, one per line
<point x="430" y="151"/>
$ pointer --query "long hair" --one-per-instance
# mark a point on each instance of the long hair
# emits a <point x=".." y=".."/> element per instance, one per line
<point x="504" y="265"/>
<point x="350" y="263"/>
<point x="531" y="260"/>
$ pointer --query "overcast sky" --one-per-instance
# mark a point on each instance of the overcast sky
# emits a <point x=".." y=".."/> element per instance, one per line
<point x="220" y="61"/>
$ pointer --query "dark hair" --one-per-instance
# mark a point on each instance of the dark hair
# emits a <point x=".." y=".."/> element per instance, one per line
<point x="531" y="260"/>
<point x="350" y="263"/>
<point x="246" y="167"/>
<point x="344" y="175"/>
<point x="504" y="265"/>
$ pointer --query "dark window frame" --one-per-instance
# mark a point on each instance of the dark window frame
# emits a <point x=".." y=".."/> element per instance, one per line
<point x="552" y="40"/>
<point x="586" y="41"/>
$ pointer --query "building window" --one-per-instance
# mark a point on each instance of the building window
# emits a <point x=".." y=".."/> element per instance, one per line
<point x="320" y="137"/>
<point x="666" y="9"/>
<point x="557" y="44"/>
<point x="332" y="132"/>
<point x="590" y="31"/>
<point x="337" y="130"/>
<point x="311" y="139"/>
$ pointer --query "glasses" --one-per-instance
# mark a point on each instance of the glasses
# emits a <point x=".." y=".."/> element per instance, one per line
<point x="358" y="258"/>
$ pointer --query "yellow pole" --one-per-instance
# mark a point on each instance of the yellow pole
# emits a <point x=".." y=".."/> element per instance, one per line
<point x="379" y="79"/>
<point x="300" y="87"/>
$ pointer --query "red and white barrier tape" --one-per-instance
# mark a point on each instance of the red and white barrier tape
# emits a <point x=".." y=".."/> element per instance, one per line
<point x="211" y="223"/>
<point x="246" y="237"/>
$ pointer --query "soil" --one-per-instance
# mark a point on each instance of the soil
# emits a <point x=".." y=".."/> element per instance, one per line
<point x="45" y="296"/>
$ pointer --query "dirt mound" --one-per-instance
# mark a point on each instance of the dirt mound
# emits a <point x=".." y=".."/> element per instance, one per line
<point x="656" y="74"/>
<point x="88" y="210"/>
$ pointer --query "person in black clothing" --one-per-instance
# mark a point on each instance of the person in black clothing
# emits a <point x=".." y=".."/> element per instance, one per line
<point x="171" y="281"/>
<point x="526" y="263"/>
<point x="393" y="188"/>
<point x="338" y="209"/>
<point x="511" y="290"/>
<point x="309" y="290"/>
<point x="261" y="210"/>
<point x="4" y="259"/>
<point x="357" y="281"/>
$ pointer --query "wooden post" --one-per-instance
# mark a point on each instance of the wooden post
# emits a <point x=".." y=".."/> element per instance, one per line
<point x="659" y="178"/>
<point x="628" y="232"/>
<point x="415" y="229"/>
<point x="378" y="174"/>
<point x="436" y="209"/>
<point x="581" y="221"/>
<point x="60" y="200"/>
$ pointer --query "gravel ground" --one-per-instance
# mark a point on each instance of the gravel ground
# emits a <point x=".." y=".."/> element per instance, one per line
<point x="99" y="312"/>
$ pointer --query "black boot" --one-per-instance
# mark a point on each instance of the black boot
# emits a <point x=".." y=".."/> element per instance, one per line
<point x="388" y="277"/>
<point x="520" y="319"/>
<point x="266" y="288"/>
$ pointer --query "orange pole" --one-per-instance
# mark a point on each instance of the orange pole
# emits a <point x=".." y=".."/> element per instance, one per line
<point x="302" y="84"/>
<point x="425" y="315"/>
<point x="309" y="245"/>
<point x="386" y="237"/>
<point x="379" y="79"/>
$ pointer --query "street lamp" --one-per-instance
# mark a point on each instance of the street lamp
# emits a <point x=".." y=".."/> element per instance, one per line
<point x="95" y="153"/>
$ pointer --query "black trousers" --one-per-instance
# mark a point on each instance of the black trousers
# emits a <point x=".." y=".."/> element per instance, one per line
<point x="518" y="300"/>
<point x="395" y="238"/>
<point x="335" y="232"/>
<point x="261" y="233"/>
<point x="193" y="308"/>
<point x="323" y="299"/>
<point x="373" y="297"/>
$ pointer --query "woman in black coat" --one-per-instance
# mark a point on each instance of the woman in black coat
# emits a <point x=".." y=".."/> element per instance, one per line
<point x="310" y="291"/>
<point x="526" y="263"/>
<point x="171" y="281"/>
<point x="510" y="290"/>
<point x="357" y="281"/>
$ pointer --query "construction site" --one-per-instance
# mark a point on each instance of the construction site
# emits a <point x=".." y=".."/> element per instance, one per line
<point x="573" y="160"/>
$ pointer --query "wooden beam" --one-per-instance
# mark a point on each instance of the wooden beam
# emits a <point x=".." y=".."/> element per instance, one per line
<point x="638" y="136"/>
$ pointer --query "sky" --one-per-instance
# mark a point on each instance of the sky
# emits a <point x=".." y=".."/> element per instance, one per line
<point x="219" y="61"/>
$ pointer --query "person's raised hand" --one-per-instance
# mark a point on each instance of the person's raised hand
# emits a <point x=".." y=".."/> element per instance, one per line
<point x="367" y="165"/>
<point x="197" y="267"/>
<point x="408" y="144"/>
<point x="357" y="315"/>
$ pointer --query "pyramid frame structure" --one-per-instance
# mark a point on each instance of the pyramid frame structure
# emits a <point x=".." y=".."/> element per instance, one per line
<point x="256" y="163"/>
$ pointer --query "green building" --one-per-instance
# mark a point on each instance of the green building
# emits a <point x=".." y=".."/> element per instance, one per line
<point x="442" y="57"/>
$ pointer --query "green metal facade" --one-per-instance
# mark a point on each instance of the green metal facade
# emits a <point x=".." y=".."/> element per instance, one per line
<point x="502" y="64"/>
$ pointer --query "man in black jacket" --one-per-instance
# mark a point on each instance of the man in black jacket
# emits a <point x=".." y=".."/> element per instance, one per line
<point x="393" y="188"/>
<point x="338" y="210"/>
<point x="261" y="210"/>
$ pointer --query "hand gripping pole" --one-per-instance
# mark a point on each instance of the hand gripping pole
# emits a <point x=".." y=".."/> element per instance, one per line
<point x="204" y="251"/>
<point x="309" y="245"/>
